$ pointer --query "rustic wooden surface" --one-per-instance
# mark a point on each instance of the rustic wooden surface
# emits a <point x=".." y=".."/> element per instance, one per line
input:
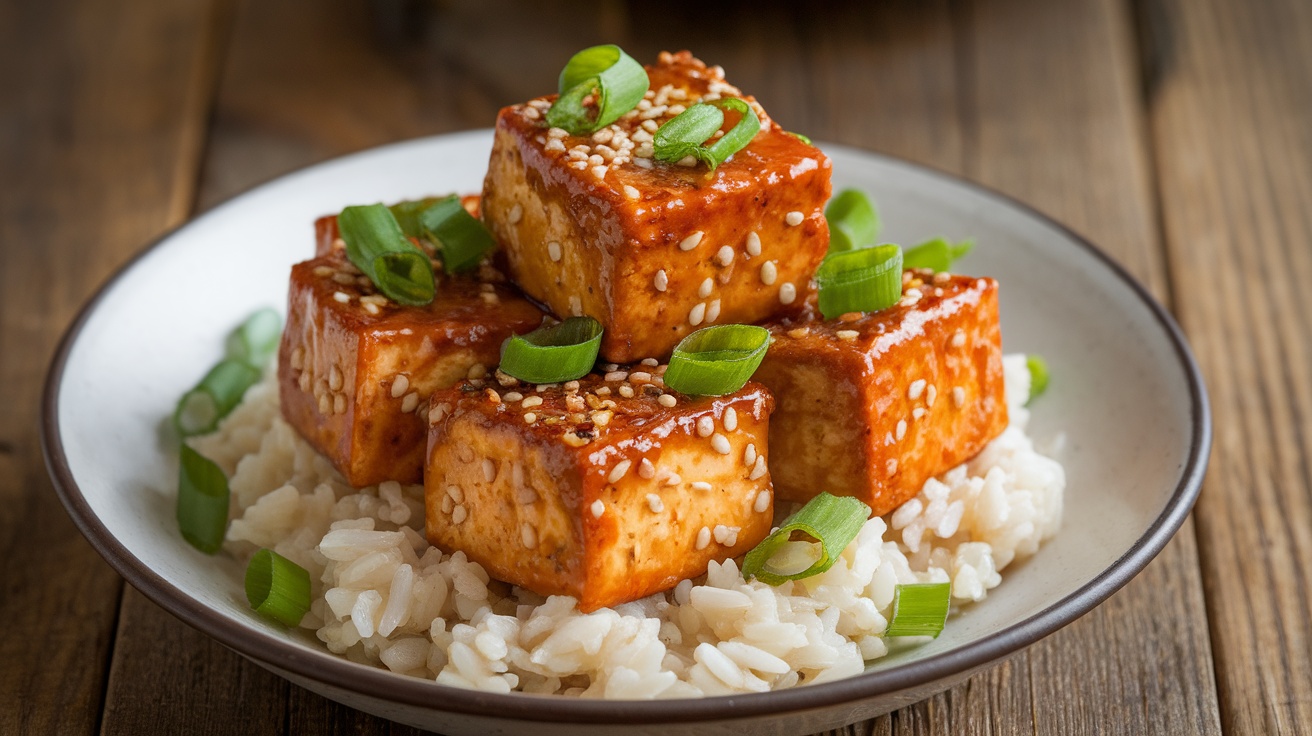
<point x="1177" y="134"/>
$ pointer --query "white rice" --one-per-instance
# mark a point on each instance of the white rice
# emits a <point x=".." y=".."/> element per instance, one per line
<point x="383" y="596"/>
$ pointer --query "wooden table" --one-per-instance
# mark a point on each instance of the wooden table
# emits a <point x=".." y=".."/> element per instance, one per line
<point x="1177" y="134"/>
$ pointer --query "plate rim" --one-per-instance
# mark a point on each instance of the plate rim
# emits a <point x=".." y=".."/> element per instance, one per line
<point x="382" y="685"/>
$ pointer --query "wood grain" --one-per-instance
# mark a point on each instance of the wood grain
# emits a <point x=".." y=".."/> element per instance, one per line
<point x="101" y="112"/>
<point x="1232" y="123"/>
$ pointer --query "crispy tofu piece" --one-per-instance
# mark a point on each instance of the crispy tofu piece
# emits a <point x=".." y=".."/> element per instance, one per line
<point x="605" y="490"/>
<point x="355" y="369"/>
<point x="872" y="405"/>
<point x="327" y="239"/>
<point x="595" y="226"/>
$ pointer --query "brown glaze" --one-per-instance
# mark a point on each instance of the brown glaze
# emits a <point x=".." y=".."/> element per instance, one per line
<point x="353" y="354"/>
<point x="841" y="400"/>
<point x="550" y="473"/>
<point x="612" y="244"/>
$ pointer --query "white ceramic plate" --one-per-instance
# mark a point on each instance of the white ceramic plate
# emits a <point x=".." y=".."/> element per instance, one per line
<point x="1125" y="391"/>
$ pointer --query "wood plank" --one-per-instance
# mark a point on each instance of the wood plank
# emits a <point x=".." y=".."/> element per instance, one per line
<point x="1232" y="123"/>
<point x="99" y="124"/>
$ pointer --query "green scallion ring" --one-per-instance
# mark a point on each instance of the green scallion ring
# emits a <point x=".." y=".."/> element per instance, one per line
<point x="218" y="393"/>
<point x="718" y="360"/>
<point x="1039" y="376"/>
<point x="256" y="340"/>
<point x="553" y="353"/>
<point x="277" y="587"/>
<point x="936" y="255"/>
<point x="799" y="137"/>
<point x="853" y="221"/>
<point x="619" y="82"/>
<point x="203" y="498"/>
<point x="919" y="609"/>
<point x="463" y="239"/>
<point x="377" y="245"/>
<point x="832" y="520"/>
<point x="686" y="132"/>
<point x="407" y="214"/>
<point x="864" y="280"/>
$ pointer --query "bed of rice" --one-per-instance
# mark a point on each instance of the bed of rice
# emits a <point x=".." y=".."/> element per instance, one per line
<point x="383" y="596"/>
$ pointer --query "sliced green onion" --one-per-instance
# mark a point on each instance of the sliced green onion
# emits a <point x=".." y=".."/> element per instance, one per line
<point x="256" y="340"/>
<point x="864" y="280"/>
<point x="553" y="353"/>
<point x="217" y="394"/>
<point x="853" y="221"/>
<point x="463" y="239"/>
<point x="686" y="132"/>
<point x="277" y="587"/>
<point x="376" y="244"/>
<point x="937" y="255"/>
<point x="407" y="214"/>
<point x="799" y="137"/>
<point x="1038" y="376"/>
<point x="202" y="501"/>
<point x="719" y="360"/>
<point x="619" y="82"/>
<point x="919" y="609"/>
<point x="833" y="520"/>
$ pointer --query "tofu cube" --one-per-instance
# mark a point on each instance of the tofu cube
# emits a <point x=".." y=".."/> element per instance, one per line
<point x="355" y="369"/>
<point x="593" y="225"/>
<point x="327" y="239"/>
<point x="607" y="489"/>
<point x="874" y="404"/>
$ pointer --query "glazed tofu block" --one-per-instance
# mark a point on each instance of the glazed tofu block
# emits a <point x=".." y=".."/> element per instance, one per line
<point x="355" y="369"/>
<point x="595" y="226"/>
<point x="327" y="240"/>
<point x="874" y="404"/>
<point x="607" y="489"/>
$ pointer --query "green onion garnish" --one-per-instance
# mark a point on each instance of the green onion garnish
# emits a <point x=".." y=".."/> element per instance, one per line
<point x="407" y="214"/>
<point x="684" y="135"/>
<point x="463" y="239"/>
<point x="277" y="587"/>
<point x="719" y="360"/>
<point x="1038" y="376"/>
<point x="799" y="137"/>
<point x="202" y="501"/>
<point x="218" y="393"/>
<point x="937" y="255"/>
<point x="618" y="81"/>
<point x="864" y="280"/>
<point x="256" y="340"/>
<point x="853" y="221"/>
<point x="376" y="244"/>
<point x="833" y="520"/>
<point x="920" y="609"/>
<point x="553" y="353"/>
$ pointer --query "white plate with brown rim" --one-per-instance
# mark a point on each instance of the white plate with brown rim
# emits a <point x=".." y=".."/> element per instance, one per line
<point x="1126" y="394"/>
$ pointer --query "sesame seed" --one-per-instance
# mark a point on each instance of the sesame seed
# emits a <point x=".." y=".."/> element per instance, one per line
<point x="798" y="333"/>
<point x="640" y="376"/>
<point x="705" y="426"/>
<point x="555" y="145"/>
<point x="650" y="362"/>
<point x="342" y="297"/>
<point x="758" y="468"/>
<point x="768" y="273"/>
<point x="345" y="279"/>
<point x="620" y="470"/>
<point x="901" y="429"/>
<point x="459" y="514"/>
<point x="541" y="387"/>
<point x="598" y="508"/>
<point x="600" y="170"/>
<point x="339" y="404"/>
<point x="512" y="396"/>
<point x="645" y="469"/>
<point x="697" y="314"/>
<point x="531" y="401"/>
<point x="724" y="255"/>
<point x="762" y="502"/>
<point x="335" y="378"/>
<point x="917" y="388"/>
<point x="410" y="402"/>
<point x="515" y="214"/>
<point x="730" y="419"/>
<point x="528" y="535"/>
<point x="557" y="133"/>
<point x="489" y="470"/>
<point x="661" y="280"/>
<point x="794" y="218"/>
<point x="615" y="376"/>
<point x="891" y="466"/>
<point x="438" y="413"/>
<point x="298" y="359"/>
<point x="787" y="293"/>
<point x="753" y="244"/>
<point x="372" y="308"/>
<point x="749" y="455"/>
<point x="701" y="485"/>
<point x="958" y="339"/>
<point x="476" y="371"/>
<point x="930" y="395"/>
<point x="602" y="418"/>
<point x="631" y="192"/>
<point x="603" y="390"/>
<point x="705" y="289"/>
<point x="626" y="391"/>
<point x="713" y="311"/>
<point x="553" y="251"/>
<point x="322" y="271"/>
<point x="942" y="277"/>
<point x="703" y="538"/>
<point x="530" y="417"/>
<point x="655" y="503"/>
<point x="918" y="412"/>
<point x="304" y="382"/>
<point x="959" y="397"/>
<point x="492" y="396"/>
<point x="720" y="443"/>
<point x="692" y="241"/>
<point x="667" y="400"/>
<point x="456" y="494"/>
<point x="447" y="504"/>
<point x="848" y="335"/>
<point x="674" y="479"/>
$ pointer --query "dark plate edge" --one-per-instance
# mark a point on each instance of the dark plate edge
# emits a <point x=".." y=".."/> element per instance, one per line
<point x="385" y="686"/>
